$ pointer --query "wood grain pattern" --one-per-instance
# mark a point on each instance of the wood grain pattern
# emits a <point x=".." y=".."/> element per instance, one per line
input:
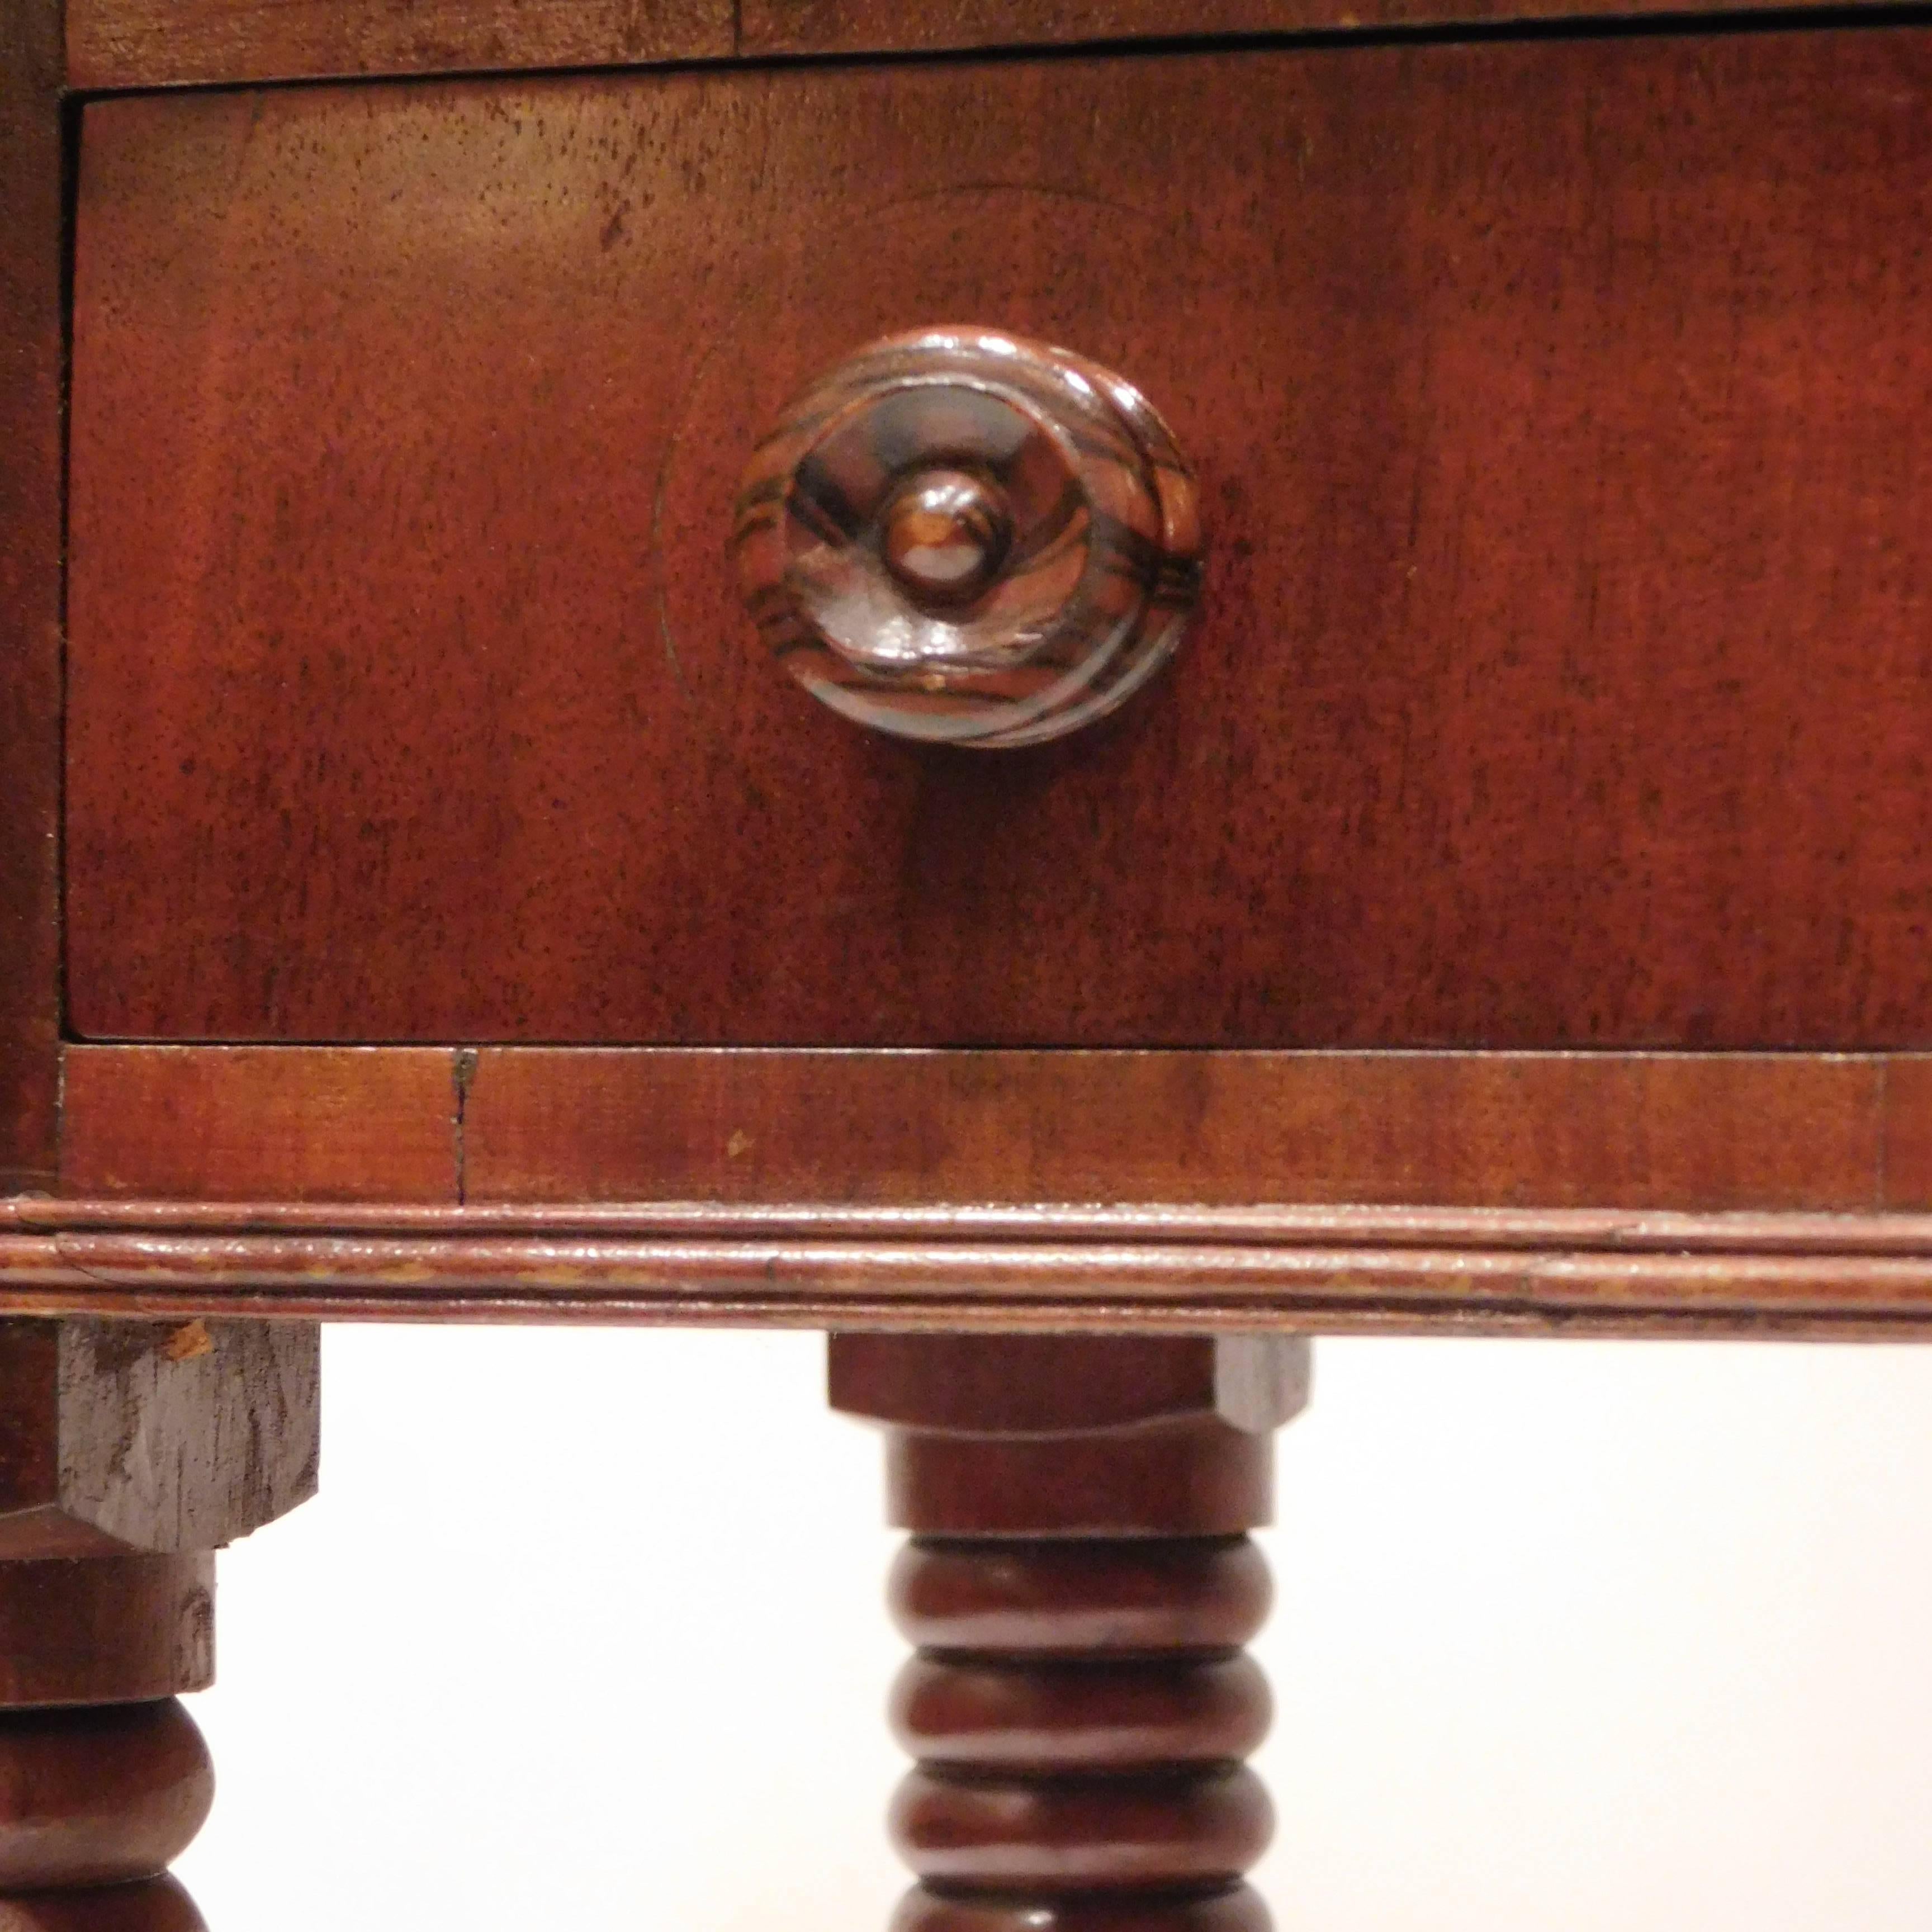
<point x="106" y="1630"/>
<point x="1908" y="1135"/>
<point x="1713" y="1131"/>
<point x="1149" y="1269"/>
<point x="860" y="26"/>
<point x="1701" y="1131"/>
<point x="1609" y="1192"/>
<point x="239" y="1123"/>
<point x="32" y="220"/>
<point x="185" y="1437"/>
<point x="119" y="44"/>
<point x="1066" y="1757"/>
<point x="1561" y="674"/>
<point x="163" y="1438"/>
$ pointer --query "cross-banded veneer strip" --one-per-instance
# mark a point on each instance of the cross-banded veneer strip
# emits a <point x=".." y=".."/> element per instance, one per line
<point x="248" y="1123"/>
<point x="1694" y="1132"/>
<point x="1615" y="1194"/>
<point x="124" y="44"/>
<point x="1705" y="1132"/>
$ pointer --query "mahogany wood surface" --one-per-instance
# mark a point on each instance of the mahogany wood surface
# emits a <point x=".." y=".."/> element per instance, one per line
<point x="1636" y="1130"/>
<point x="1561" y="671"/>
<point x="1698" y="1131"/>
<point x="857" y="26"/>
<point x="1199" y="1475"/>
<point x="1048" y="1268"/>
<point x="1238" y="1909"/>
<point x="1202" y="1594"/>
<point x="117" y="43"/>
<point x="164" y="1440"/>
<point x="95" y="1800"/>
<point x="1609" y="1193"/>
<point x="154" y="1905"/>
<point x="318" y="1124"/>
<point x="108" y="1630"/>
<point x="1025" y="1384"/>
<point x="1117" y="1716"/>
<point x="32" y="222"/>
<point x="99" y="1795"/>
<point x="1078" y="1707"/>
<point x="1907" y="1134"/>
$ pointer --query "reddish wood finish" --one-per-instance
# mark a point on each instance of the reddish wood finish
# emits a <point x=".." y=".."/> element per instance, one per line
<point x="1196" y="1478"/>
<point x="1906" y="1180"/>
<point x="156" y="1905"/>
<point x="1089" y="1715"/>
<point x="1561" y="672"/>
<point x="1076" y="1708"/>
<point x="1638" y="1131"/>
<point x="30" y="336"/>
<point x="1018" y="1384"/>
<point x="858" y="26"/>
<point x="101" y="1795"/>
<point x="1717" y="1131"/>
<point x="1016" y="1833"/>
<point x="1238" y="1910"/>
<point x="112" y="1629"/>
<point x="1153" y="1270"/>
<point x="1069" y="1600"/>
<point x="170" y="1439"/>
<point x="239" y="1123"/>
<point x="142" y="43"/>
<point x="114" y="44"/>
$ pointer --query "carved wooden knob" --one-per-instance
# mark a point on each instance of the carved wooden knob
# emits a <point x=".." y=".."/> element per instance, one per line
<point x="964" y="536"/>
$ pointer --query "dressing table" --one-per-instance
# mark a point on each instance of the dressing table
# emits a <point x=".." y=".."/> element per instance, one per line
<point x="1071" y="688"/>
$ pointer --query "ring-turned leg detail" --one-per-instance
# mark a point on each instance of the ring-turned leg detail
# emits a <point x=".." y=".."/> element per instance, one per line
<point x="101" y="1794"/>
<point x="1078" y="1704"/>
<point x="129" y="1451"/>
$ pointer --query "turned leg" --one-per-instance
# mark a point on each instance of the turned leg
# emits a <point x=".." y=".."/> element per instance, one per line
<point x="129" y="1451"/>
<point x="1079" y="1586"/>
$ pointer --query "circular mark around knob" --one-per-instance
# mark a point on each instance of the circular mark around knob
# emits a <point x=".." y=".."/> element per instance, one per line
<point x="964" y="536"/>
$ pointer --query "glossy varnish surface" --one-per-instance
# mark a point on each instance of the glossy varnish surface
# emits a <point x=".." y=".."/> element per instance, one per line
<point x="1562" y="676"/>
<point x="1078" y="1707"/>
<point x="1623" y="1194"/>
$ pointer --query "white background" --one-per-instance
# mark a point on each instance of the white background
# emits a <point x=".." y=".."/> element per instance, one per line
<point x="585" y="1633"/>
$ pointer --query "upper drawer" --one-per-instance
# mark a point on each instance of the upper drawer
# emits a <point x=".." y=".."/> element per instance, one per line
<point x="1563" y="411"/>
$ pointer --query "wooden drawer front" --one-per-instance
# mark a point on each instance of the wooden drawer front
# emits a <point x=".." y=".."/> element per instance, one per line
<point x="1564" y="673"/>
